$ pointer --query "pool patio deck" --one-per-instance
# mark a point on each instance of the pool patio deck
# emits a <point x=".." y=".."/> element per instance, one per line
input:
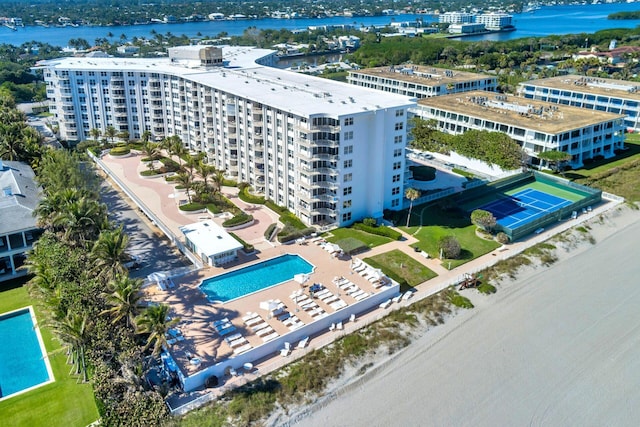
<point x="197" y="313"/>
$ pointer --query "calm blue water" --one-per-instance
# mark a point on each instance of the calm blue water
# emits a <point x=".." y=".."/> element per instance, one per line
<point x="21" y="364"/>
<point x="546" y="21"/>
<point x="244" y="281"/>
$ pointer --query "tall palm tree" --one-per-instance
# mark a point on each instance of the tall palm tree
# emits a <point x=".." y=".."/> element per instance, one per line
<point x="109" y="253"/>
<point x="10" y="140"/>
<point x="155" y="322"/>
<point x="95" y="133"/>
<point x="205" y="172"/>
<point x="146" y="136"/>
<point x="412" y="194"/>
<point x="185" y="180"/>
<point x="176" y="147"/>
<point x="124" y="299"/>
<point x="218" y="180"/>
<point x="110" y="132"/>
<point x="150" y="150"/>
<point x="74" y="331"/>
<point x="53" y="204"/>
<point x="81" y="221"/>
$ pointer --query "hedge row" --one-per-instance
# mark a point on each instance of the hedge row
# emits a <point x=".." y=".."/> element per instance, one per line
<point x="288" y="235"/>
<point x="381" y="230"/>
<point x="247" y="248"/>
<point x="239" y="219"/>
<point x="191" y="207"/>
<point x="169" y="164"/>
<point x="119" y="151"/>
<point x="269" y="231"/>
<point x="246" y="197"/>
<point x="275" y="207"/>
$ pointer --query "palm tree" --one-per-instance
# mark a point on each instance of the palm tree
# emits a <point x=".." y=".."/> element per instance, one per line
<point x="110" y="132"/>
<point x="109" y="253"/>
<point x="53" y="204"/>
<point x="124" y="299"/>
<point x="218" y="180"/>
<point x="411" y="194"/>
<point x="81" y="221"/>
<point x="155" y="322"/>
<point x="176" y="147"/>
<point x="184" y="179"/>
<point x="150" y="150"/>
<point x="146" y="136"/>
<point x="73" y="331"/>
<point x="10" y="140"/>
<point x="205" y="171"/>
<point x="95" y="133"/>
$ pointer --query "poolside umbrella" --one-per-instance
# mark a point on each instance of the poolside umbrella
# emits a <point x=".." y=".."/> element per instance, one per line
<point x="301" y="278"/>
<point x="270" y="305"/>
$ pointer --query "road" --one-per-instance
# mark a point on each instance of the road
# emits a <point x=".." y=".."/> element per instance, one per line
<point x="155" y="251"/>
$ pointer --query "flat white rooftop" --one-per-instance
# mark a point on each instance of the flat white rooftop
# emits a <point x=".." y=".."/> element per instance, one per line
<point x="292" y="92"/>
<point x="210" y="238"/>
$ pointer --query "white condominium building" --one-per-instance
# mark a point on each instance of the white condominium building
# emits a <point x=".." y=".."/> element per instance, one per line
<point x="330" y="152"/>
<point x="613" y="96"/>
<point x="420" y="81"/>
<point x="456" y="18"/>
<point x="494" y="21"/>
<point x="537" y="126"/>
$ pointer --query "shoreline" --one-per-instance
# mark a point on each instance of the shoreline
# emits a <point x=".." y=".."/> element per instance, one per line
<point x="570" y="245"/>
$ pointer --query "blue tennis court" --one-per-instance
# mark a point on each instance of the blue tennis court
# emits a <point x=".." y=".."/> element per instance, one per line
<point x="523" y="207"/>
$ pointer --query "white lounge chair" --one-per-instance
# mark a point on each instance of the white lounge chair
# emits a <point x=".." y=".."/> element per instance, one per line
<point x="339" y="326"/>
<point x="242" y="349"/>
<point x="286" y="350"/>
<point x="407" y="295"/>
<point x="264" y="331"/>
<point x="362" y="296"/>
<point x="303" y="342"/>
<point x="338" y="304"/>
<point x="352" y="318"/>
<point x="397" y="298"/>
<point x="270" y="337"/>
<point x="385" y="304"/>
<point x="332" y="327"/>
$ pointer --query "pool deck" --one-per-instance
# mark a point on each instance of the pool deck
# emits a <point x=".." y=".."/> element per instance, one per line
<point x="197" y="313"/>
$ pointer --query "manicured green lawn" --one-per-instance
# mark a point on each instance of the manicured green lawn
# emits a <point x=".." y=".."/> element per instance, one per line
<point x="371" y="240"/>
<point x="62" y="403"/>
<point x="401" y="268"/>
<point x="437" y="224"/>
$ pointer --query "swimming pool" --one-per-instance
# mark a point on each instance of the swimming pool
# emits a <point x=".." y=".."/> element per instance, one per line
<point x="253" y="278"/>
<point x="23" y="362"/>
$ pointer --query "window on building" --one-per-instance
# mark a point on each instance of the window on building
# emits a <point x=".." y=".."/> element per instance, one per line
<point x="399" y="113"/>
<point x="399" y="126"/>
<point x="347" y="177"/>
<point x="396" y="178"/>
<point x="397" y="152"/>
<point x="348" y="149"/>
<point x="348" y="121"/>
<point x="346" y="204"/>
<point x="346" y="216"/>
<point x="397" y="165"/>
<point x="348" y="163"/>
<point x="347" y="190"/>
<point x="395" y="203"/>
<point x="397" y="139"/>
<point x="348" y="135"/>
<point x="395" y="191"/>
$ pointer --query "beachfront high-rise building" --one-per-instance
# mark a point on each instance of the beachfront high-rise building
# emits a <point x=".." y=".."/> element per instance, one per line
<point x="330" y="152"/>
<point x="420" y="81"/>
<point x="611" y="95"/>
<point x="536" y="125"/>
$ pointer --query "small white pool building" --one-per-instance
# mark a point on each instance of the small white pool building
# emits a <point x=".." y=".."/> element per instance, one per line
<point x="211" y="243"/>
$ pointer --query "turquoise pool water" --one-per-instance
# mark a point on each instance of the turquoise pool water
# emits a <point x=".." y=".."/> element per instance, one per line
<point x="257" y="277"/>
<point x="21" y="359"/>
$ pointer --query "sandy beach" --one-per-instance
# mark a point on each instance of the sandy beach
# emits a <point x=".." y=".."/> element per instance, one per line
<point x="556" y="346"/>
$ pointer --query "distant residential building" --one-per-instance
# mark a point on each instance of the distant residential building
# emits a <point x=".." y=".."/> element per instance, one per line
<point x="494" y="21"/>
<point x="466" y="28"/>
<point x="306" y="143"/>
<point x="420" y="81"/>
<point x="127" y="49"/>
<point x="456" y="18"/>
<point x="537" y="126"/>
<point x="19" y="196"/>
<point x="610" y="95"/>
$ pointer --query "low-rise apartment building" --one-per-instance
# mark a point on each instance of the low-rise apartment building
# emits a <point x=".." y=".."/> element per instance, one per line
<point x="594" y="93"/>
<point x="420" y="81"/>
<point x="536" y="125"/>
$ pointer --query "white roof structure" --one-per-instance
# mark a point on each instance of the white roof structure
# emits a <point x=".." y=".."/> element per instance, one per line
<point x="210" y="238"/>
<point x="241" y="75"/>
